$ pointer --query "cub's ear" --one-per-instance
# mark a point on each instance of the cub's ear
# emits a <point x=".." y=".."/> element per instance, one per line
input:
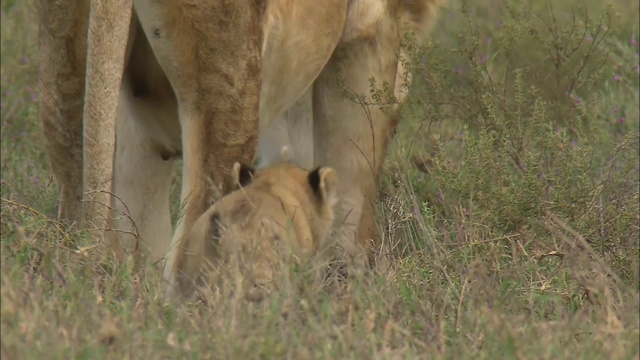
<point x="241" y="175"/>
<point x="324" y="182"/>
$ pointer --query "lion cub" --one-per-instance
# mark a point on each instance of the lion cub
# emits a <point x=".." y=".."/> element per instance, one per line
<point x="276" y="214"/>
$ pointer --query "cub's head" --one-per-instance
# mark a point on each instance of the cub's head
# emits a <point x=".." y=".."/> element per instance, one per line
<point x="274" y="215"/>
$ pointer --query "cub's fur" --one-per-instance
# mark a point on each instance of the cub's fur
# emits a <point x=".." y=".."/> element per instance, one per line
<point x="277" y="212"/>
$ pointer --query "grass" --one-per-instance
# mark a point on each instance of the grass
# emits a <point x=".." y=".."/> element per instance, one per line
<point x="509" y="204"/>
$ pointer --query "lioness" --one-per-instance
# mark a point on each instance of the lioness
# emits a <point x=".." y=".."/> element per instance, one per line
<point x="127" y="86"/>
<point x="276" y="213"/>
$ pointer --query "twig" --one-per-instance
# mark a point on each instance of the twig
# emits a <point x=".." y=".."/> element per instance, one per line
<point x="581" y="243"/>
<point x="459" y="308"/>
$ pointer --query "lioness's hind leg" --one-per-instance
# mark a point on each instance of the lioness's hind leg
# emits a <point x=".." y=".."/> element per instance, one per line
<point x="62" y="39"/>
<point x="210" y="53"/>
<point x="142" y="184"/>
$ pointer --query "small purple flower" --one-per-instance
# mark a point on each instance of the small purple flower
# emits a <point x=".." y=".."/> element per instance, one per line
<point x="32" y="93"/>
<point x="635" y="68"/>
<point x="25" y="59"/>
<point x="620" y="120"/>
<point x="634" y="42"/>
<point x="574" y="97"/>
<point x="7" y="93"/>
<point x="35" y="180"/>
<point x="459" y="70"/>
<point x="486" y="39"/>
<point x="573" y="143"/>
<point x="499" y="24"/>
<point x="616" y="77"/>
<point x="482" y="59"/>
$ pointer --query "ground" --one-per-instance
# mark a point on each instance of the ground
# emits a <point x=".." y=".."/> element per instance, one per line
<point x="509" y="207"/>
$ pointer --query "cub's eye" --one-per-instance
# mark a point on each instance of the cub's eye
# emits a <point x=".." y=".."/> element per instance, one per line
<point x="275" y="238"/>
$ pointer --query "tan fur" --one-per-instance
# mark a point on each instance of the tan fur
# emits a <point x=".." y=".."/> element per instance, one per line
<point x="278" y="215"/>
<point x="202" y="80"/>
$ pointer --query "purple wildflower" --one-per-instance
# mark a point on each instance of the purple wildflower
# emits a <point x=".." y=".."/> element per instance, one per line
<point x="32" y="93"/>
<point x="634" y="42"/>
<point x="499" y="24"/>
<point x="25" y="59"/>
<point x="616" y="77"/>
<point x="620" y="120"/>
<point x="574" y="97"/>
<point x="482" y="59"/>
<point x="35" y="180"/>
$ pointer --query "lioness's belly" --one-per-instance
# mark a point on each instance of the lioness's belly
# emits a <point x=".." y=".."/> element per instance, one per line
<point x="149" y="99"/>
<point x="151" y="102"/>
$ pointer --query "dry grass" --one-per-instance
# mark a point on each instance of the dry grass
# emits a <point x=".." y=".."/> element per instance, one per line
<point x="515" y="236"/>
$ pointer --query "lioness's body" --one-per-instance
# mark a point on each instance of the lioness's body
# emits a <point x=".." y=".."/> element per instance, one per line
<point x="153" y="80"/>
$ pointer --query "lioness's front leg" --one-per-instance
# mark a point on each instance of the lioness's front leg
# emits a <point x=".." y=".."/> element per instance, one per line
<point x="210" y="53"/>
<point x="351" y="135"/>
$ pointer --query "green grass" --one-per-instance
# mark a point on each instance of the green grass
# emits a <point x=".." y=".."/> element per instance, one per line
<point x="509" y="208"/>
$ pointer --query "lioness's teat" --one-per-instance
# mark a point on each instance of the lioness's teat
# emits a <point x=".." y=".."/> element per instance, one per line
<point x="276" y="214"/>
